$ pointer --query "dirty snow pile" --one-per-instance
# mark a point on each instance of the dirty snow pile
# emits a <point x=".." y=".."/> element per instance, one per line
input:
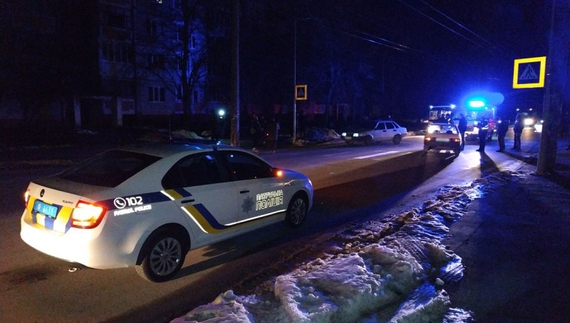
<point x="389" y="270"/>
<point x="317" y="135"/>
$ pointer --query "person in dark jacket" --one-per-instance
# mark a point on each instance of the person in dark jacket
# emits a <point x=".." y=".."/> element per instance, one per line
<point x="462" y="127"/>
<point x="256" y="131"/>
<point x="502" y="128"/>
<point x="483" y="126"/>
<point x="272" y="134"/>
<point x="518" y="128"/>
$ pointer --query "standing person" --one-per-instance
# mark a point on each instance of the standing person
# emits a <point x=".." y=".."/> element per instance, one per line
<point x="302" y="125"/>
<point x="272" y="134"/>
<point x="483" y="126"/>
<point x="462" y="126"/>
<point x="256" y="131"/>
<point x="501" y="133"/>
<point x="565" y="128"/>
<point x="518" y="128"/>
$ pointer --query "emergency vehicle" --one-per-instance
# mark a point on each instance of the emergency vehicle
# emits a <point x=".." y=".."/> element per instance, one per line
<point x="147" y="205"/>
<point x="474" y="111"/>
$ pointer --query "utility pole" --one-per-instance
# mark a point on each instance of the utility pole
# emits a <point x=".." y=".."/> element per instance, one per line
<point x="295" y="80"/>
<point x="235" y="115"/>
<point x="552" y="105"/>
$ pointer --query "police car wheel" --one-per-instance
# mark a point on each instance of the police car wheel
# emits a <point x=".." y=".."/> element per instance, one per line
<point x="297" y="211"/>
<point x="368" y="141"/>
<point x="162" y="259"/>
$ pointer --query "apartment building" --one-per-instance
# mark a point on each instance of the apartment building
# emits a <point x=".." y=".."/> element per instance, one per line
<point x="104" y="62"/>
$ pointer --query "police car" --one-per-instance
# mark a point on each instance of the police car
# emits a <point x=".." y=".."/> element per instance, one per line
<point x="147" y="205"/>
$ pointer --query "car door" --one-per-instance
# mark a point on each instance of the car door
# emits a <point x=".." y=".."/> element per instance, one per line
<point x="391" y="131"/>
<point x="203" y="193"/>
<point x="259" y="192"/>
<point x="380" y="131"/>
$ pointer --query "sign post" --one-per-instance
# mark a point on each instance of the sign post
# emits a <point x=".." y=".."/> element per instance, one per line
<point x="300" y="95"/>
<point x="530" y="73"/>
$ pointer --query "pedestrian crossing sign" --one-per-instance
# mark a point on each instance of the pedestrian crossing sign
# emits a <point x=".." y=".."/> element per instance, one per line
<point x="300" y="92"/>
<point x="529" y="72"/>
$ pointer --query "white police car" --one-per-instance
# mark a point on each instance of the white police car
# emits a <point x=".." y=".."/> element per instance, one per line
<point x="148" y="205"/>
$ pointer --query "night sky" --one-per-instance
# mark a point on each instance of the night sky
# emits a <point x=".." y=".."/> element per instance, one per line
<point x="416" y="52"/>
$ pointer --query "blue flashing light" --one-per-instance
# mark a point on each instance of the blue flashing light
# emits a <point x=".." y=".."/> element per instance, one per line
<point x="477" y="103"/>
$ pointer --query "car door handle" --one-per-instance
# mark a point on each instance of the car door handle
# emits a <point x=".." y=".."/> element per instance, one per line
<point x="244" y="191"/>
<point x="187" y="201"/>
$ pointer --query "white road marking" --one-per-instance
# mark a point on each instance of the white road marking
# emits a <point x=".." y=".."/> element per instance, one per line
<point x="376" y="155"/>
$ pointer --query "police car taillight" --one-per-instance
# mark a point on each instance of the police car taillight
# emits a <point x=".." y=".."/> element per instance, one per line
<point x="26" y="198"/>
<point x="86" y="215"/>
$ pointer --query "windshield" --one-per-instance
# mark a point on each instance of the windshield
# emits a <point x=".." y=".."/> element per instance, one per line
<point x="368" y="124"/>
<point x="442" y="128"/>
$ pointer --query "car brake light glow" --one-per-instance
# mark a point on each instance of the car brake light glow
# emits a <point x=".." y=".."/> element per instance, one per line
<point x="26" y="198"/>
<point x="86" y="215"/>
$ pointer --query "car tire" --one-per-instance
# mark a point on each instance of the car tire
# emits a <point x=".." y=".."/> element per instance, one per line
<point x="397" y="139"/>
<point x="367" y="141"/>
<point x="297" y="211"/>
<point x="162" y="257"/>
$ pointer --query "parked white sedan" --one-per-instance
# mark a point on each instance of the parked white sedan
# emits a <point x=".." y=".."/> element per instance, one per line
<point x="148" y="205"/>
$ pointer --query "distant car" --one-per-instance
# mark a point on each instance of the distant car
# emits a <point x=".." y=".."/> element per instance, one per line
<point x="443" y="137"/>
<point x="148" y="205"/>
<point x="376" y="131"/>
<point x="530" y="119"/>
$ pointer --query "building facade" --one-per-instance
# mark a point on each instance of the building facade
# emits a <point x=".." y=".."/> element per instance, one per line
<point x="98" y="63"/>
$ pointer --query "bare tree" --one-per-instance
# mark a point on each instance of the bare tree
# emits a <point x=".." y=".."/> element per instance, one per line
<point x="174" y="51"/>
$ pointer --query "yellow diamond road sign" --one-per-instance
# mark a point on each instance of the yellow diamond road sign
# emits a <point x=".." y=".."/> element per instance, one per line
<point x="300" y="92"/>
<point x="529" y="72"/>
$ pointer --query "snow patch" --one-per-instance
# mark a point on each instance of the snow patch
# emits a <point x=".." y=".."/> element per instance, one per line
<point x="388" y="270"/>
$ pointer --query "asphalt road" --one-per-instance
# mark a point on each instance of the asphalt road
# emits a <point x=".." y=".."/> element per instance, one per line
<point x="352" y="184"/>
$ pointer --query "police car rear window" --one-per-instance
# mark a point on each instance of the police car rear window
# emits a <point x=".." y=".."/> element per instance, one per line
<point x="108" y="169"/>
